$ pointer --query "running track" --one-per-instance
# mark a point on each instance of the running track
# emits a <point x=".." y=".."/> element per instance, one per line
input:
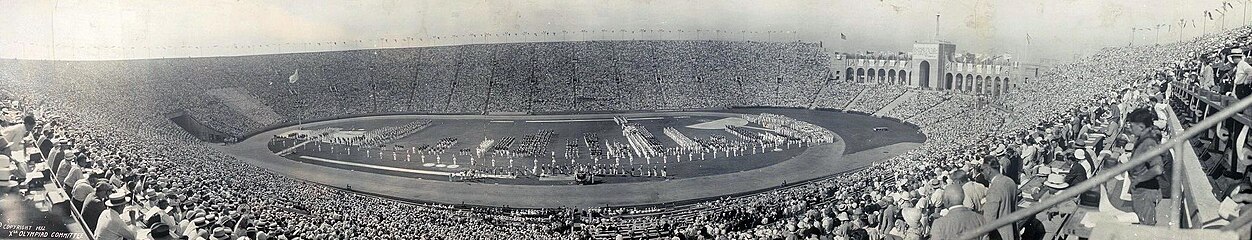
<point x="815" y="162"/>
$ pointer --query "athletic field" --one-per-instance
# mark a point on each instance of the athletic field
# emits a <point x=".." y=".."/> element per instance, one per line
<point x="395" y="170"/>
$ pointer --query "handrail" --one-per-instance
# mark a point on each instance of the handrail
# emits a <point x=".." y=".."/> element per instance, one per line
<point x="1176" y="176"/>
<point x="1099" y="179"/>
<point x="1202" y="206"/>
<point x="1204" y="95"/>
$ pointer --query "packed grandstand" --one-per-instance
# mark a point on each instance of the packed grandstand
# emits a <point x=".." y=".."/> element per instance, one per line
<point x="113" y="117"/>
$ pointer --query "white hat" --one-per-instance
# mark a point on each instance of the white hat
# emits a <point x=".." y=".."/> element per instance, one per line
<point x="1060" y="170"/>
<point x="1044" y="170"/>
<point x="1056" y="181"/>
<point x="1080" y="154"/>
<point x="999" y="150"/>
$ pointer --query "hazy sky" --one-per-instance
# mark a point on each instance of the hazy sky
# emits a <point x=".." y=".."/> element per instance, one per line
<point x="82" y="29"/>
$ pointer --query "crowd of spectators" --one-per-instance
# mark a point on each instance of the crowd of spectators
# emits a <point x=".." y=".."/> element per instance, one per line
<point x="111" y="112"/>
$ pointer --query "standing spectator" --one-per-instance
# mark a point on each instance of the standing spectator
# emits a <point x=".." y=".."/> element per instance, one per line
<point x="45" y="145"/>
<point x="1146" y="192"/>
<point x="960" y="218"/>
<point x="1226" y="71"/>
<point x="1001" y="200"/>
<point x="14" y="138"/>
<point x="1206" y="73"/>
<point x="1243" y="78"/>
<point x="974" y="192"/>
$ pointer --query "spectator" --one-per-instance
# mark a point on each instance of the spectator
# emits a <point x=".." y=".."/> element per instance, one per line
<point x="974" y="193"/>
<point x="1146" y="193"/>
<point x="111" y="226"/>
<point x="1001" y="200"/>
<point x="959" y="218"/>
<point x="1243" y="76"/>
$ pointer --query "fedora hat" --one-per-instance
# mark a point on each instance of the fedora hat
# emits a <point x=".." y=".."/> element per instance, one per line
<point x="200" y="222"/>
<point x="160" y="231"/>
<point x="220" y="233"/>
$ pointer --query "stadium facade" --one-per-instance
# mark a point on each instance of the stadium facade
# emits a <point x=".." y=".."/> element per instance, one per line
<point x="934" y="66"/>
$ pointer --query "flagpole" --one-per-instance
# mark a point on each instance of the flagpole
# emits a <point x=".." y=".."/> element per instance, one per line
<point x="936" y="27"/>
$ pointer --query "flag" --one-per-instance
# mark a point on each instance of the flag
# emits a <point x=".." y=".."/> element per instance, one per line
<point x="844" y="37"/>
<point x="294" y="77"/>
<point x="1027" y="39"/>
<point x="1209" y="14"/>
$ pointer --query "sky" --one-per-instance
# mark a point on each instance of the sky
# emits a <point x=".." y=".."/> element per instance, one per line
<point x="130" y="29"/>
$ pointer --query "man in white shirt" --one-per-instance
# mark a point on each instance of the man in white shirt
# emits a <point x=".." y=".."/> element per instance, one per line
<point x="14" y="138"/>
<point x="1206" y="74"/>
<point x="111" y="226"/>
<point x="1242" y="82"/>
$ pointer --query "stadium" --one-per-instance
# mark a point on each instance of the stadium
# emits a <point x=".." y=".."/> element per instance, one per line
<point x="630" y="134"/>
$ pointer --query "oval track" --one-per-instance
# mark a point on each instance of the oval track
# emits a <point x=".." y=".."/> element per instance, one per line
<point x="815" y="162"/>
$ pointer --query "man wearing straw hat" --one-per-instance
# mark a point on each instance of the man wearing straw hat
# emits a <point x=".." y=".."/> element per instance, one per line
<point x="111" y="226"/>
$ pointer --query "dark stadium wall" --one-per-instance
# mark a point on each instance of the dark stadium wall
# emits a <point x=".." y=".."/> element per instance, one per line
<point x="195" y="128"/>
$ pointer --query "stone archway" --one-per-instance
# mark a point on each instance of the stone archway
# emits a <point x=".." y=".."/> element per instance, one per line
<point x="996" y="87"/>
<point x="947" y="82"/>
<point x="903" y="76"/>
<point x="960" y="81"/>
<point x="977" y="86"/>
<point x="849" y="74"/>
<point x="923" y="77"/>
<point x="1005" y="87"/>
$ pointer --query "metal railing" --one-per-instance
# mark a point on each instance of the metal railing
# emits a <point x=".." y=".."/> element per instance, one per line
<point x="1175" y="141"/>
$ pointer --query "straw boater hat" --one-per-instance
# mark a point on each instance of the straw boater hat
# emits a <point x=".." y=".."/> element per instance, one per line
<point x="116" y="199"/>
<point x="1234" y="52"/>
<point x="1044" y="170"/>
<point x="999" y="150"/>
<point x="1057" y="181"/>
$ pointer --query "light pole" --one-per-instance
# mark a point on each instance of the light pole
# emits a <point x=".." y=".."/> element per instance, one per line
<point x="1204" y="27"/>
<point x="1158" y="35"/>
<point x="1132" y="36"/>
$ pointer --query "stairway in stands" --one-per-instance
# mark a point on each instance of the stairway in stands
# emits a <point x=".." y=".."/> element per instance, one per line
<point x="910" y="94"/>
<point x="858" y="96"/>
